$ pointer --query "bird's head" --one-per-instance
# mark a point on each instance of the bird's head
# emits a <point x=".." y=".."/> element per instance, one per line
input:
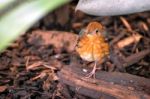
<point x="94" y="28"/>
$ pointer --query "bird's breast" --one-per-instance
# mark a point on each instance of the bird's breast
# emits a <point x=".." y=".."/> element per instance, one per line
<point x="92" y="48"/>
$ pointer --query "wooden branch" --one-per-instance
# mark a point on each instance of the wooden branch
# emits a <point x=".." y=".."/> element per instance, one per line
<point x="118" y="85"/>
<point x="123" y="62"/>
<point x="132" y="59"/>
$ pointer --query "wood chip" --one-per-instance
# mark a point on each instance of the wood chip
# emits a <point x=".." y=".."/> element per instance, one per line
<point x="129" y="40"/>
<point x="3" y="88"/>
<point x="126" y="23"/>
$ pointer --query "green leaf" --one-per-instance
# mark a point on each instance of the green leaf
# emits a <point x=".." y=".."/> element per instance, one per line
<point x="22" y="17"/>
<point x="5" y="3"/>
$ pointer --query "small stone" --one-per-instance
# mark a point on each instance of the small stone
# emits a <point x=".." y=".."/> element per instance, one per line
<point x="84" y="70"/>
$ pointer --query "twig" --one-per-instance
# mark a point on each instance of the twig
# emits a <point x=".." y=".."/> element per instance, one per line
<point x="144" y="26"/>
<point x="116" y="39"/>
<point x="34" y="65"/>
<point x="126" y="23"/>
<point x="27" y="62"/>
<point x="66" y="91"/>
<point x="135" y="57"/>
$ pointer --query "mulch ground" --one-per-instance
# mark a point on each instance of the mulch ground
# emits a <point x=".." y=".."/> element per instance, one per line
<point x="28" y="68"/>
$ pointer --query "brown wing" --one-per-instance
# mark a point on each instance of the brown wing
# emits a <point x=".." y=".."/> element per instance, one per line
<point x="81" y="36"/>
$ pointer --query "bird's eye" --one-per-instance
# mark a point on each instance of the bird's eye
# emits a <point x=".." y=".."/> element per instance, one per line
<point x="96" y="30"/>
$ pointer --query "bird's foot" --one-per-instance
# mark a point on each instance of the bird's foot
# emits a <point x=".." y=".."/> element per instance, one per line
<point x="92" y="73"/>
<point x="89" y="75"/>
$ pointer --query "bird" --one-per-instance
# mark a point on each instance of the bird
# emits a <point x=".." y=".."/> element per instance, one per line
<point x="92" y="46"/>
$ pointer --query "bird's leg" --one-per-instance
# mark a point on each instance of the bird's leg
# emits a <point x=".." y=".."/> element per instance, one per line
<point x="92" y="73"/>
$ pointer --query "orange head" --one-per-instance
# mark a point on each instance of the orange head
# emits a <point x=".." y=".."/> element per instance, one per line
<point x="94" y="28"/>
